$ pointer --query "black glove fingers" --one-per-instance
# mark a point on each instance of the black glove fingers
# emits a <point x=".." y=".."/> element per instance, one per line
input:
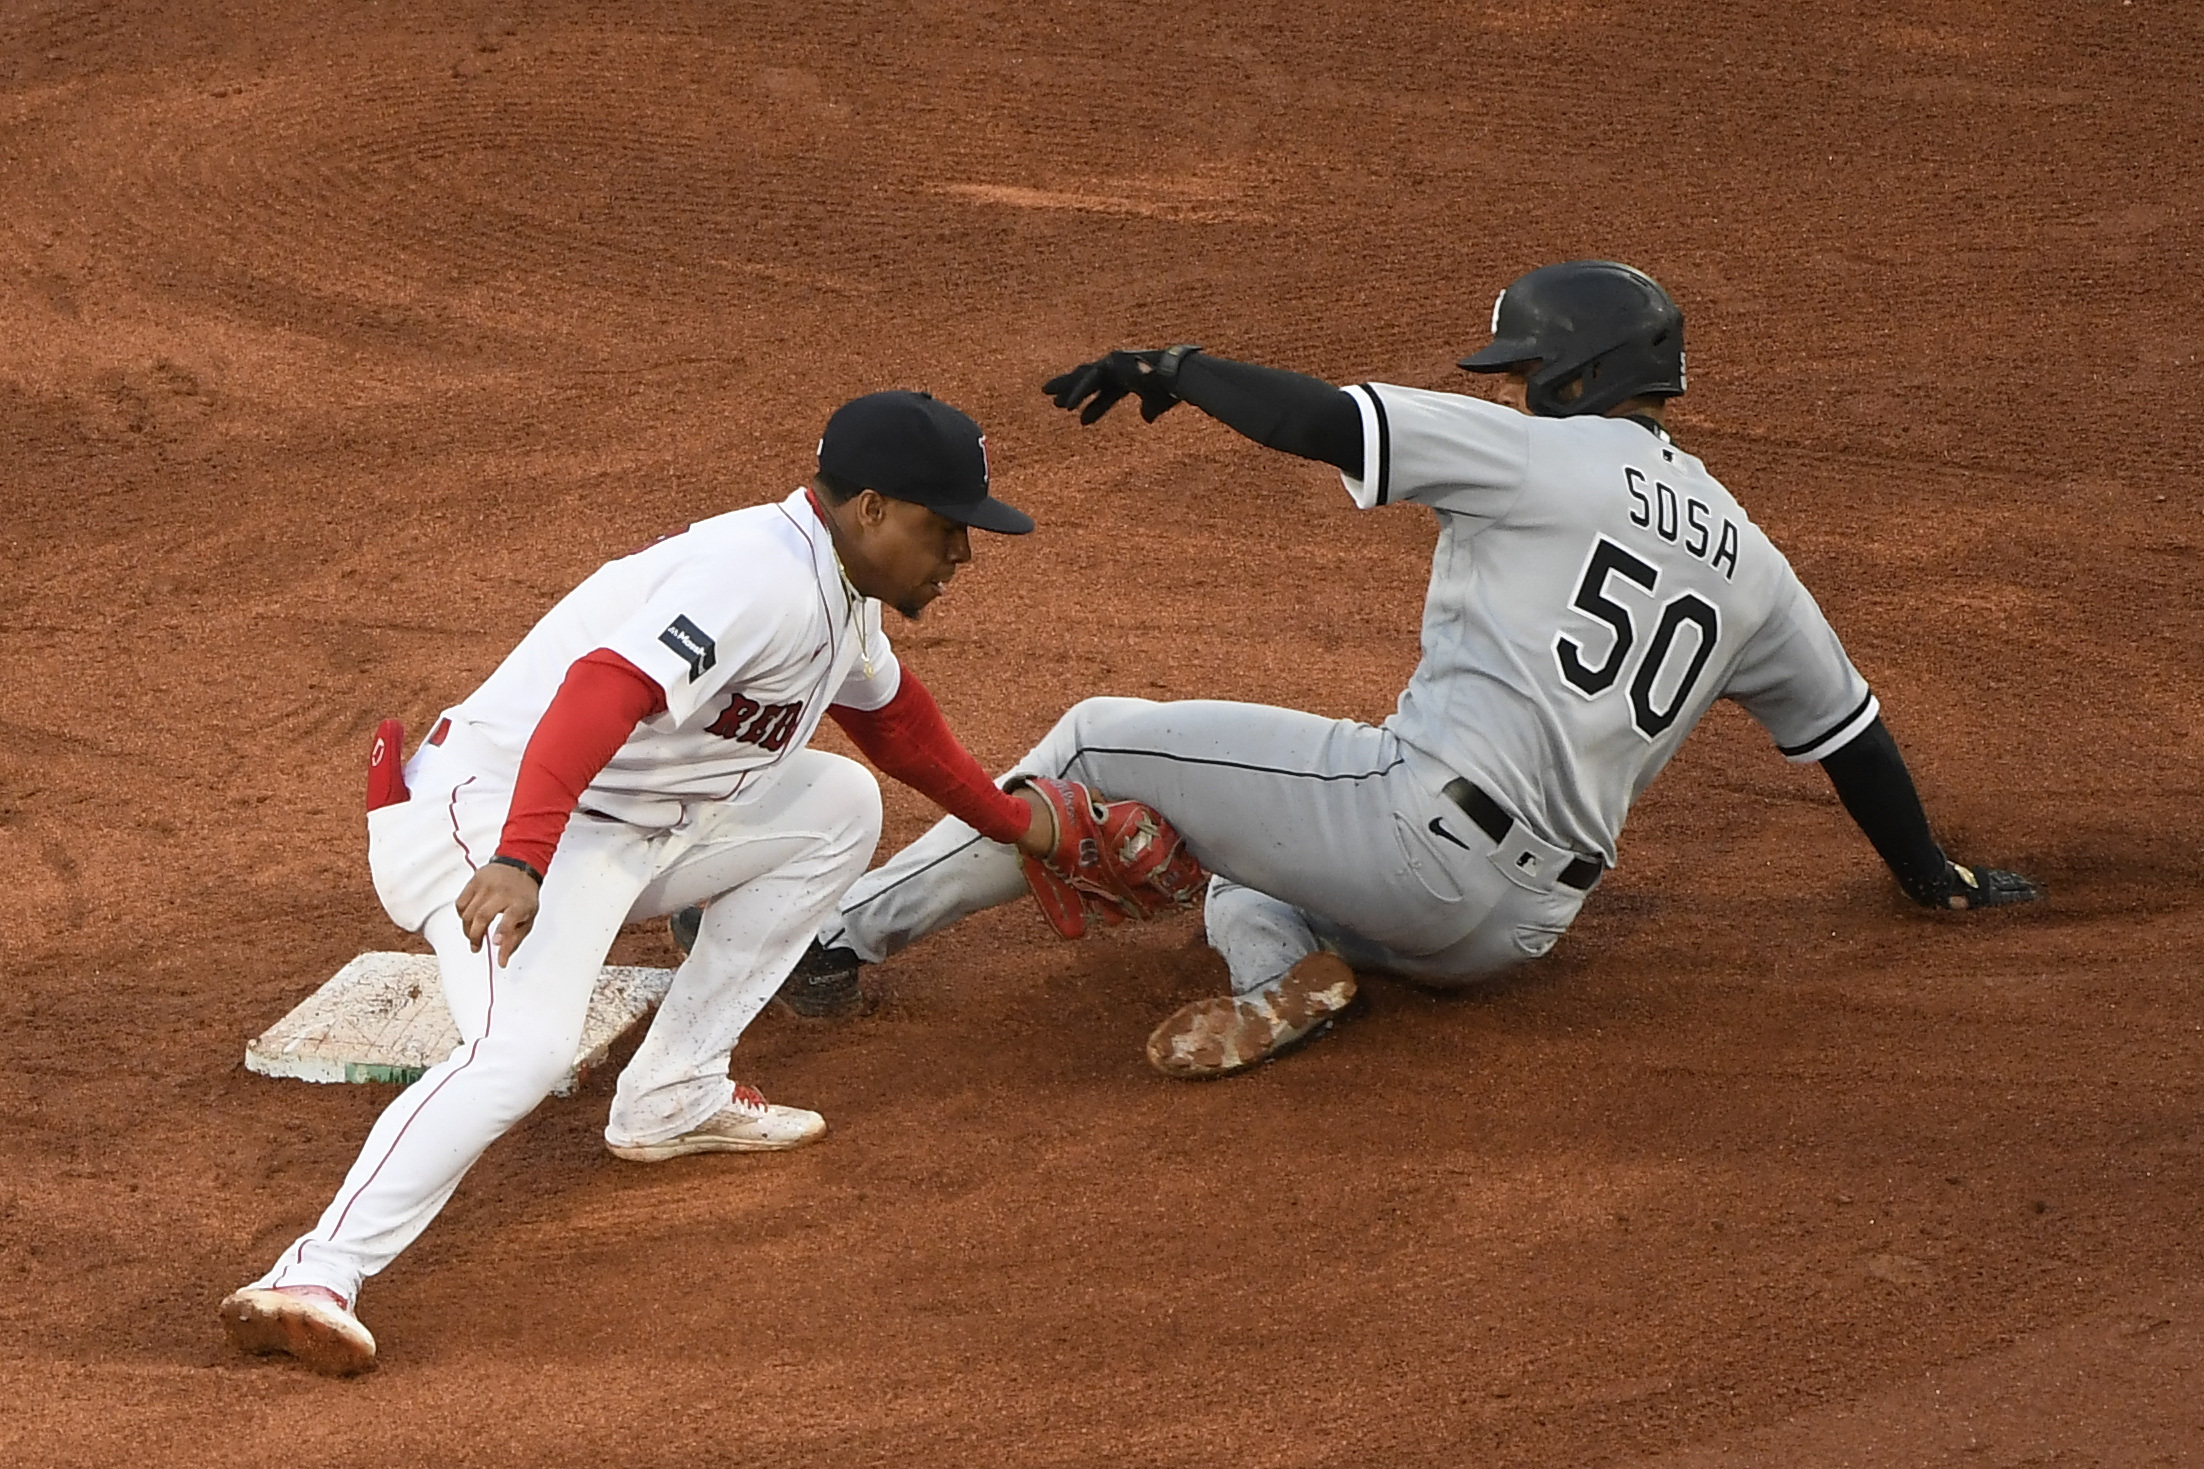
<point x="2003" y="887"/>
<point x="1071" y="388"/>
<point x="1108" y="379"/>
<point x="1103" y="402"/>
<point x="1990" y="887"/>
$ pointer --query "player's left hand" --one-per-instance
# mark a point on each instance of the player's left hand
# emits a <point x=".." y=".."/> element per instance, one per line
<point x="1108" y="379"/>
<point x="1988" y="887"/>
<point x="498" y="892"/>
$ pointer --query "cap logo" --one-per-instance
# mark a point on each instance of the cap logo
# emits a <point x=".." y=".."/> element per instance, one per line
<point x="1496" y="303"/>
<point x="986" y="475"/>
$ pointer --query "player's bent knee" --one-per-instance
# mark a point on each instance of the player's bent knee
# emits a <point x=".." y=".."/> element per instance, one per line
<point x="1104" y="710"/>
<point x="1088" y="722"/>
<point x="849" y="798"/>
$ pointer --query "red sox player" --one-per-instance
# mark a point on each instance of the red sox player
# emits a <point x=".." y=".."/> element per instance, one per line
<point x="645" y="748"/>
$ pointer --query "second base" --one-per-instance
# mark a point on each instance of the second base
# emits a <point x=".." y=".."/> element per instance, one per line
<point x="382" y="1018"/>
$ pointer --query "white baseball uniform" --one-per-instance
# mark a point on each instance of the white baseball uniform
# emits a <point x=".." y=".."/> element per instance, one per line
<point x="748" y="626"/>
<point x="1592" y="592"/>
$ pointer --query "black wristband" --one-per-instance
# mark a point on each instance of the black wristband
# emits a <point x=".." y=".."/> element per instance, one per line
<point x="1167" y="365"/>
<point x="515" y="862"/>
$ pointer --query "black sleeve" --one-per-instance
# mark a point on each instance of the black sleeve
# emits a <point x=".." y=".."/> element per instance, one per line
<point x="1871" y="779"/>
<point x="1277" y="409"/>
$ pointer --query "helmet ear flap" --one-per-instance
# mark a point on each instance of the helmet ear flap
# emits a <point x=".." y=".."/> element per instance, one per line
<point x="1546" y="392"/>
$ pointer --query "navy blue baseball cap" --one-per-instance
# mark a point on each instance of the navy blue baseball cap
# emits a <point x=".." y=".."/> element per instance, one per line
<point x="914" y="447"/>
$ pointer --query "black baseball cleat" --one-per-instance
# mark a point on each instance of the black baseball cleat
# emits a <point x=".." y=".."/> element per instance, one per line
<point x="824" y="983"/>
<point x="683" y="926"/>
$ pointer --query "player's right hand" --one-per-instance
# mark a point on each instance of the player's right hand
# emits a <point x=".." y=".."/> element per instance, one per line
<point x="495" y="893"/>
<point x="1107" y="379"/>
<point x="1988" y="887"/>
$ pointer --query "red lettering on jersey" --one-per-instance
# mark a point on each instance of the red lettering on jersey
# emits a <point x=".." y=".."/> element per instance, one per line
<point x="729" y="724"/>
<point x="784" y="728"/>
<point x="770" y="726"/>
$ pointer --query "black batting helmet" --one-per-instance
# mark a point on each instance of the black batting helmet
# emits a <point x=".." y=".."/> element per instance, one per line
<point x="1597" y="322"/>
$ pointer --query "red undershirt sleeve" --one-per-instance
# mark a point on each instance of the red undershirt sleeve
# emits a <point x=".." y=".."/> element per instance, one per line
<point x="596" y="708"/>
<point x="908" y="738"/>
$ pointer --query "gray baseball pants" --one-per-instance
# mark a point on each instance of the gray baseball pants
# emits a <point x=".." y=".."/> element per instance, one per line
<point x="1321" y="834"/>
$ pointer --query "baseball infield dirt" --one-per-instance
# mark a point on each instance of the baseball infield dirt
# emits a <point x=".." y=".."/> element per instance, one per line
<point x="336" y="342"/>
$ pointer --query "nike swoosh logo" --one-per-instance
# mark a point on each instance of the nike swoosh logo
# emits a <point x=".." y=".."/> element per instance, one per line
<point x="1438" y="830"/>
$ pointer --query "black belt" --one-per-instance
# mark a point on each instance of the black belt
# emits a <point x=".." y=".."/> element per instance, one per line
<point x="1496" y="823"/>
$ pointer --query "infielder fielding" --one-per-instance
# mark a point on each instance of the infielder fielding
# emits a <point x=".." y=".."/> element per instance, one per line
<point x="644" y="748"/>
<point x="1593" y="591"/>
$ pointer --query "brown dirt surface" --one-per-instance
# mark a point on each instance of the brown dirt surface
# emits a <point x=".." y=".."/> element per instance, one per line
<point x="336" y="342"/>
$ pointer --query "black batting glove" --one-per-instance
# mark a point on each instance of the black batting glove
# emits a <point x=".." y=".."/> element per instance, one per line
<point x="1987" y="887"/>
<point x="1148" y="375"/>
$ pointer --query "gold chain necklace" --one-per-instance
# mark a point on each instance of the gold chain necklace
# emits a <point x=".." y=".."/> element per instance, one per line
<point x="854" y="601"/>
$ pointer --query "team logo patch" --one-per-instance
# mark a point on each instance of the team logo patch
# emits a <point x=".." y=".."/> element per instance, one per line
<point x="691" y="645"/>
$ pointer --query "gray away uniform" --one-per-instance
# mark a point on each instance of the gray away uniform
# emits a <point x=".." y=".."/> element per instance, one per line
<point x="1593" y="591"/>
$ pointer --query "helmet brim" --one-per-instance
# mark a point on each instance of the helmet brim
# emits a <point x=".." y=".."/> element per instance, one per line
<point x="1503" y="354"/>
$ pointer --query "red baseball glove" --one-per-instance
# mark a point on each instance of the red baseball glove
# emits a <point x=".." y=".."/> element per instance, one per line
<point x="1113" y="860"/>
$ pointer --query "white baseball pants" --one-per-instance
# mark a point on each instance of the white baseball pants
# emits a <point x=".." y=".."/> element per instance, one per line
<point x="773" y="862"/>
<point x="1320" y="833"/>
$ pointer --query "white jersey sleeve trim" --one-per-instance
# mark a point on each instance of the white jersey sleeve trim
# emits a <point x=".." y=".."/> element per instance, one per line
<point x="1371" y="489"/>
<point x="1845" y="731"/>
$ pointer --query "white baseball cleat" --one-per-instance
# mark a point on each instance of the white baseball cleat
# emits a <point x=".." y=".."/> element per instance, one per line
<point x="1216" y="1037"/>
<point x="309" y="1322"/>
<point x="748" y="1124"/>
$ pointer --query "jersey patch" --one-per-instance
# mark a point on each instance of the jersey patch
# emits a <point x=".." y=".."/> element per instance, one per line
<point x="691" y="646"/>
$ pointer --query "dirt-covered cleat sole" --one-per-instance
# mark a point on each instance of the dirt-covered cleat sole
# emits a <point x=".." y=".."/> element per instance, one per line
<point x="1217" y="1037"/>
<point x="748" y="1124"/>
<point x="316" y="1329"/>
<point x="824" y="983"/>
